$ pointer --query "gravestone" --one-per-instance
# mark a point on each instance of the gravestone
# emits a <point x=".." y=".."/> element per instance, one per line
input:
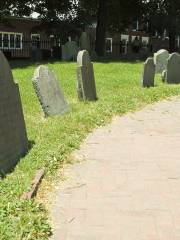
<point x="85" y="74"/>
<point x="69" y="51"/>
<point x="13" y="136"/>
<point x="160" y="60"/>
<point x="164" y="75"/>
<point x="173" y="69"/>
<point x="48" y="92"/>
<point x="148" y="73"/>
<point x="84" y="42"/>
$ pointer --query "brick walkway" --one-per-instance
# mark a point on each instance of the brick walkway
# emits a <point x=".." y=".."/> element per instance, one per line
<point x="129" y="187"/>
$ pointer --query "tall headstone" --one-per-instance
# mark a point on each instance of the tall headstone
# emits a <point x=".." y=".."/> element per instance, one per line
<point x="160" y="60"/>
<point x="84" y="42"/>
<point x="173" y="69"/>
<point x="70" y="51"/>
<point x="85" y="74"/>
<point x="13" y="136"/>
<point x="48" y="92"/>
<point x="148" y="73"/>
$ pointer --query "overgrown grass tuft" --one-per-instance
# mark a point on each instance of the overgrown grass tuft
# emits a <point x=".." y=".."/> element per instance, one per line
<point x="53" y="139"/>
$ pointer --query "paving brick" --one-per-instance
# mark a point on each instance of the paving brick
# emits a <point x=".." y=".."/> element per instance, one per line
<point x="129" y="187"/>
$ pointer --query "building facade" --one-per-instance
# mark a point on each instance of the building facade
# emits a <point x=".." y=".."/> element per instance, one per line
<point x="23" y="37"/>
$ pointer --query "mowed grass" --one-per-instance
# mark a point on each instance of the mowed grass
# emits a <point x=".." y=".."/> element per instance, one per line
<point x="54" y="138"/>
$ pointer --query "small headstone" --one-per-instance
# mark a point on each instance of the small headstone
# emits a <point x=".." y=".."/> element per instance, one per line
<point x="148" y="73"/>
<point x="69" y="51"/>
<point x="13" y="136"/>
<point x="48" y="91"/>
<point x="84" y="42"/>
<point x="160" y="60"/>
<point x="173" y="69"/>
<point x="85" y="75"/>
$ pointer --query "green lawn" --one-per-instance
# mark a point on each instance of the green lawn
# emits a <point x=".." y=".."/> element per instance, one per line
<point x="119" y="91"/>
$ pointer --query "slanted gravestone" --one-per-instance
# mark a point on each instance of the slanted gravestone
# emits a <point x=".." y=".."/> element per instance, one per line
<point x="84" y="42"/>
<point x="13" y="137"/>
<point x="160" y="60"/>
<point x="148" y="73"/>
<point x="173" y="69"/>
<point x="85" y="75"/>
<point x="69" y="51"/>
<point x="48" y="91"/>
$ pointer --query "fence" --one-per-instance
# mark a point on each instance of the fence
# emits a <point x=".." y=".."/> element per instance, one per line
<point x="119" y="49"/>
<point x="45" y="49"/>
<point x="42" y="49"/>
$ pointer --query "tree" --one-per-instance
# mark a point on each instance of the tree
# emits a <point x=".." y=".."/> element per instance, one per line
<point x="164" y="14"/>
<point x="110" y="15"/>
<point x="16" y="8"/>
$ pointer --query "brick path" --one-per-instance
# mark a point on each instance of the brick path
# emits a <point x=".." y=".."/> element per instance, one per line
<point x="129" y="187"/>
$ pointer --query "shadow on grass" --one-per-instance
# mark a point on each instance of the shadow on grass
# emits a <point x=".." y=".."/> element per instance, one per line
<point x="3" y="173"/>
<point x="20" y="63"/>
<point x="132" y="59"/>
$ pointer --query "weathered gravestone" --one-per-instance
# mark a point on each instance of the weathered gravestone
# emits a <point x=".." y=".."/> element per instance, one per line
<point x="148" y="73"/>
<point x="84" y="42"/>
<point x="160" y="60"/>
<point x="173" y="69"/>
<point x="69" y="51"/>
<point x="48" y="91"/>
<point x="13" y="137"/>
<point x="85" y="74"/>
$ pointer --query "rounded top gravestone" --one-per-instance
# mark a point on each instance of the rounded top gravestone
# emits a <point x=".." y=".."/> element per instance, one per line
<point x="86" y="86"/>
<point x="70" y="51"/>
<point x="160" y="60"/>
<point x="83" y="58"/>
<point x="48" y="91"/>
<point x="148" y="73"/>
<point x="173" y="68"/>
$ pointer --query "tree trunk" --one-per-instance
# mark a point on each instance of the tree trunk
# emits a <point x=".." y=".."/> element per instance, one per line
<point x="172" y="27"/>
<point x="101" y="28"/>
<point x="172" y="40"/>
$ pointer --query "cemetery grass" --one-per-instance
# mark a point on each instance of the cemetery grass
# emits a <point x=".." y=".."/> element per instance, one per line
<point x="52" y="140"/>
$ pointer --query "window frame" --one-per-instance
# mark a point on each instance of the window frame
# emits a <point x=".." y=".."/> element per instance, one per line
<point x="35" y="41"/>
<point x="111" y="40"/>
<point x="9" y="44"/>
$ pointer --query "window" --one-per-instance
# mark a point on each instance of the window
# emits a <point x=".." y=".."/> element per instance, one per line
<point x="35" y="38"/>
<point x="134" y="38"/>
<point x="135" y="25"/>
<point x="145" y="40"/>
<point x="10" y="40"/>
<point x="109" y="45"/>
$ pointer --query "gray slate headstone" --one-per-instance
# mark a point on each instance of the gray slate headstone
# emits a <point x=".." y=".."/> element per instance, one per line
<point x="148" y="73"/>
<point x="48" y="91"/>
<point x="84" y="42"/>
<point x="85" y="75"/>
<point x="70" y="51"/>
<point x="173" y="69"/>
<point x="13" y="136"/>
<point x="160" y="60"/>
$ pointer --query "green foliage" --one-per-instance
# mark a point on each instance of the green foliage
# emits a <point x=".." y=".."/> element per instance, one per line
<point x="163" y="14"/>
<point x="119" y="91"/>
<point x="119" y="13"/>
